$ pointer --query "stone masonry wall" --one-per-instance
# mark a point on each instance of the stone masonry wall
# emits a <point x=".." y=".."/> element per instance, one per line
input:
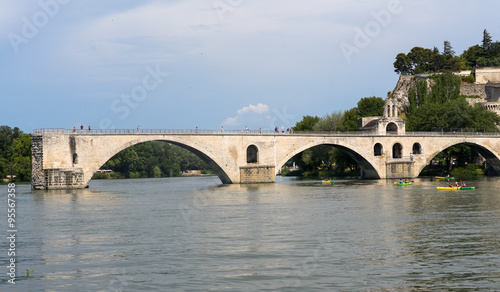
<point x="473" y="89"/>
<point x="399" y="170"/>
<point x="257" y="174"/>
<point x="37" y="174"/>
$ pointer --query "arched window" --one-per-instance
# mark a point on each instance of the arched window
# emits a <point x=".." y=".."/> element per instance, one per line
<point x="417" y="149"/>
<point x="392" y="129"/>
<point x="397" y="151"/>
<point x="252" y="154"/>
<point x="377" y="149"/>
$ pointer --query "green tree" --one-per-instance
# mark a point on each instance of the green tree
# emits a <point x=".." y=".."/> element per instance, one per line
<point x="329" y="122"/>
<point x="446" y="88"/>
<point x="350" y="120"/>
<point x="472" y="54"/>
<point x="403" y="64"/>
<point x="486" y="43"/>
<point x="306" y="124"/>
<point x="448" y="50"/>
<point x="371" y="106"/>
<point x="421" y="92"/>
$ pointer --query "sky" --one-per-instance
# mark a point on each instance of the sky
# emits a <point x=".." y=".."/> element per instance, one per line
<point x="117" y="64"/>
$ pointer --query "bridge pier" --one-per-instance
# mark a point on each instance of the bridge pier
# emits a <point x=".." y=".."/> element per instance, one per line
<point x="400" y="169"/>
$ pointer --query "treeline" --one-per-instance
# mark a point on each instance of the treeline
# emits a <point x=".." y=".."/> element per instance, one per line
<point x="15" y="154"/>
<point x="423" y="60"/>
<point x="152" y="159"/>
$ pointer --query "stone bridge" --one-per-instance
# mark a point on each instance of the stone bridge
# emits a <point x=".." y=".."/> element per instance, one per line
<point x="64" y="159"/>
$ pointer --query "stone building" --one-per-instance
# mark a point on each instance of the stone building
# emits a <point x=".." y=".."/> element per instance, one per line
<point x="389" y="124"/>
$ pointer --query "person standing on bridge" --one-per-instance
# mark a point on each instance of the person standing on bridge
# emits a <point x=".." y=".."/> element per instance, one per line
<point x="74" y="130"/>
<point x="222" y="129"/>
<point x="89" y="129"/>
<point x="246" y="129"/>
<point x="138" y="129"/>
<point x="81" y="128"/>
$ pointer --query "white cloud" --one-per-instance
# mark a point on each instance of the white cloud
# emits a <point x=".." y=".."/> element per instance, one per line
<point x="247" y="114"/>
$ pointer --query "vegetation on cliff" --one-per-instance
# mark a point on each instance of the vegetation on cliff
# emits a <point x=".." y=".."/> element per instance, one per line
<point x="422" y="60"/>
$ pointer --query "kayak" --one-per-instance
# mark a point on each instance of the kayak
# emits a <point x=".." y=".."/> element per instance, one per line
<point x="445" y="177"/>
<point x="328" y="181"/>
<point x="402" y="184"/>
<point x="455" y="188"/>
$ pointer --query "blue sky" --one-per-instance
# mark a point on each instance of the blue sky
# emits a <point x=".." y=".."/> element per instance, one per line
<point x="208" y="63"/>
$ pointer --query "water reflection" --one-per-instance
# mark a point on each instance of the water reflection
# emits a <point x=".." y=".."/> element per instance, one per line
<point x="195" y="234"/>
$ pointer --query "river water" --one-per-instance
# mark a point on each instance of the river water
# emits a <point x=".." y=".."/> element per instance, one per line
<point x="194" y="234"/>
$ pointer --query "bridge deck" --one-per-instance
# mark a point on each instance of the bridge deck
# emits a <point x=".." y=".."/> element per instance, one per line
<point x="259" y="132"/>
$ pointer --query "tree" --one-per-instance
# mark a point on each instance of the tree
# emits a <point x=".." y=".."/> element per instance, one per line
<point x="403" y="64"/>
<point x="306" y="124"/>
<point x="472" y="54"/>
<point x="329" y="122"/>
<point x="350" y="120"/>
<point x="421" y="59"/>
<point x="486" y="43"/>
<point x="448" y="50"/>
<point x="421" y="92"/>
<point x="446" y="88"/>
<point x="371" y="106"/>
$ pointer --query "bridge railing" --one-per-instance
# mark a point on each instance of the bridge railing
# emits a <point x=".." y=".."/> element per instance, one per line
<point x="459" y="132"/>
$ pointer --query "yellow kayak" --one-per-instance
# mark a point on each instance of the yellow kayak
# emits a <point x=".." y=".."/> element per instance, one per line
<point x="455" y="188"/>
<point x="445" y="177"/>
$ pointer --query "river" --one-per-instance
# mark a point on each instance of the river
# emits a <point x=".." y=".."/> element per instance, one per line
<point x="194" y="234"/>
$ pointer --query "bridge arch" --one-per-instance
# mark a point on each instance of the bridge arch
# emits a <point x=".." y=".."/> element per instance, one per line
<point x="203" y="155"/>
<point x="367" y="168"/>
<point x="489" y="154"/>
